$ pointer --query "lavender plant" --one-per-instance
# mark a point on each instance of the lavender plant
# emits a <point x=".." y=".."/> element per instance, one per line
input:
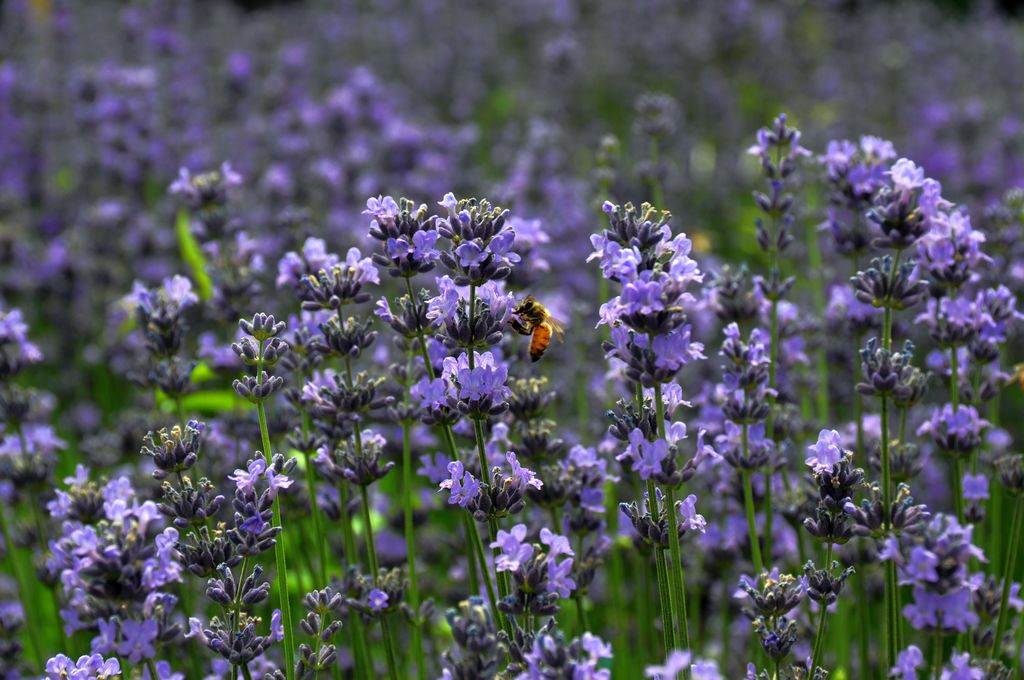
<point x="442" y="405"/>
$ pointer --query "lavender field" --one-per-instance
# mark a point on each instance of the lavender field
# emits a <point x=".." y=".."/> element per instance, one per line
<point x="532" y="340"/>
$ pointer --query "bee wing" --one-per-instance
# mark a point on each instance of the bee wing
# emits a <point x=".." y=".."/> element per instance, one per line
<point x="557" y="328"/>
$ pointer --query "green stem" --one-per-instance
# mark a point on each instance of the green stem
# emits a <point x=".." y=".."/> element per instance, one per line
<point x="769" y="516"/>
<point x="361" y="655"/>
<point x="410" y="536"/>
<point x="23" y="590"/>
<point x="478" y="545"/>
<point x="954" y="379"/>
<point x="492" y="524"/>
<point x="676" y="570"/>
<point x="864" y="616"/>
<point x="748" y="504"/>
<point x="664" y="600"/>
<point x="37" y="516"/>
<point x="389" y="646"/>
<point x="818" y="293"/>
<point x="371" y="556"/>
<point x="581" y="615"/>
<point x="819" y="637"/>
<point x="1009" y="569"/>
<point x="314" y="507"/>
<point x="958" y="493"/>
<point x="246" y="673"/>
<point x="279" y="556"/>
<point x="937" y="653"/>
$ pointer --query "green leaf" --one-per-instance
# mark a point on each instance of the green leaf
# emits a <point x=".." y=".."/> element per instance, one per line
<point x="202" y="372"/>
<point x="192" y="255"/>
<point x="204" y="401"/>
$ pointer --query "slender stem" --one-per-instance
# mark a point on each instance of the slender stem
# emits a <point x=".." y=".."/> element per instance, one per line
<point x="246" y="673"/>
<point x="954" y="379"/>
<point x="886" y="462"/>
<point x="748" y="504"/>
<point x="371" y="549"/>
<point x="676" y="569"/>
<point x="818" y="294"/>
<point x="891" y="612"/>
<point x="371" y="556"/>
<point x="478" y="545"/>
<point x="472" y="320"/>
<point x="37" y="516"/>
<point x="581" y="615"/>
<point x="616" y="578"/>
<point x="492" y="525"/>
<point x="864" y="615"/>
<point x="421" y="341"/>
<point x="1009" y="569"/>
<point x="410" y="536"/>
<point x="314" y="506"/>
<point x="769" y="515"/>
<point x="819" y="637"/>
<point x="279" y="556"/>
<point x="23" y="590"/>
<point x="958" y="493"/>
<point x="151" y="669"/>
<point x="937" y="653"/>
<point x="360" y="652"/>
<point x="389" y="647"/>
<point x="664" y="600"/>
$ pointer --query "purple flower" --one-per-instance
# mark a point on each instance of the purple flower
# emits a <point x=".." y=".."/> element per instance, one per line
<point x="93" y="667"/>
<point x="558" y="545"/>
<point x="906" y="176"/>
<point x="677" y="663"/>
<point x="961" y="669"/>
<point x="907" y="663"/>
<point x="485" y="381"/>
<point x="382" y="208"/>
<point x="951" y="610"/>
<point x="245" y="480"/>
<point x="617" y="263"/>
<point x="276" y="482"/>
<point x="431" y="394"/>
<point x="276" y="626"/>
<point x="445" y="304"/>
<point x="514" y="551"/>
<point x="521" y="477"/>
<point x="641" y="297"/>
<point x="362" y="267"/>
<point x="434" y="468"/>
<point x="470" y="253"/>
<point x="689" y="518"/>
<point x="292" y="267"/>
<point x="462" y="485"/>
<point x="449" y="203"/>
<point x="377" y="599"/>
<point x="826" y="452"/>
<point x="676" y="348"/>
<point x="921" y="566"/>
<point x="14" y="331"/>
<point x="559" y="579"/>
<point x="975" y="487"/>
<point x="137" y="639"/>
<point x="646" y="456"/>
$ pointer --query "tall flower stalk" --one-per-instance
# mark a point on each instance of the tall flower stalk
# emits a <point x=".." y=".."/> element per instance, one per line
<point x="262" y="349"/>
<point x="650" y="338"/>
<point x="778" y="149"/>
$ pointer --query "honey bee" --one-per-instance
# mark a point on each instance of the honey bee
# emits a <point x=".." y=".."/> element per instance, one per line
<point x="533" y="318"/>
